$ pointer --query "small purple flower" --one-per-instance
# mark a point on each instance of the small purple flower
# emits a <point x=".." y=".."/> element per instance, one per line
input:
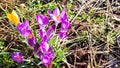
<point x="46" y="57"/>
<point x="44" y="46"/>
<point x="64" y="27"/>
<point x="23" y="28"/>
<point x="42" y="20"/>
<point x="17" y="56"/>
<point x="56" y="15"/>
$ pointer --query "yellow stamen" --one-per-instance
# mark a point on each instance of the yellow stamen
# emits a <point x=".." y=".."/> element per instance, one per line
<point x="13" y="17"/>
<point x="31" y="35"/>
<point x="45" y="46"/>
<point x="18" y="57"/>
<point x="58" y="17"/>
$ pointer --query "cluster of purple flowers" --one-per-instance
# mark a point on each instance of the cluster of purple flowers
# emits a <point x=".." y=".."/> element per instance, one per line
<point x="43" y="49"/>
<point x="60" y="18"/>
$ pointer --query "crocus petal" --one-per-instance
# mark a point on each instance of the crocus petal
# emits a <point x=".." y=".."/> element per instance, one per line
<point x="56" y="18"/>
<point x="17" y="56"/>
<point x="26" y="24"/>
<point x="50" y="49"/>
<point x="56" y="11"/>
<point x="65" y="25"/>
<point x="47" y="57"/>
<point x="42" y="20"/>
<point x="45" y="60"/>
<point x="23" y="28"/>
<point x="38" y="19"/>
<point x="49" y="12"/>
<point x="45" y="38"/>
<point x="63" y="14"/>
<point x="51" y="56"/>
<point x="40" y="55"/>
<point x="50" y="31"/>
<point x="44" y="46"/>
<point x="50" y="53"/>
<point x="14" y="18"/>
<point x="55" y="15"/>
<point x="62" y="35"/>
<point x="31" y="41"/>
<point x="36" y="48"/>
<point x="25" y="33"/>
<point x="42" y="33"/>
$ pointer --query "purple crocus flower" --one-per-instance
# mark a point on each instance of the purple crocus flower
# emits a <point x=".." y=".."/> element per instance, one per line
<point x="44" y="46"/>
<point x="42" y="20"/>
<point x="56" y="15"/>
<point x="64" y="27"/>
<point x="46" y="57"/>
<point x="23" y="28"/>
<point x="17" y="56"/>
